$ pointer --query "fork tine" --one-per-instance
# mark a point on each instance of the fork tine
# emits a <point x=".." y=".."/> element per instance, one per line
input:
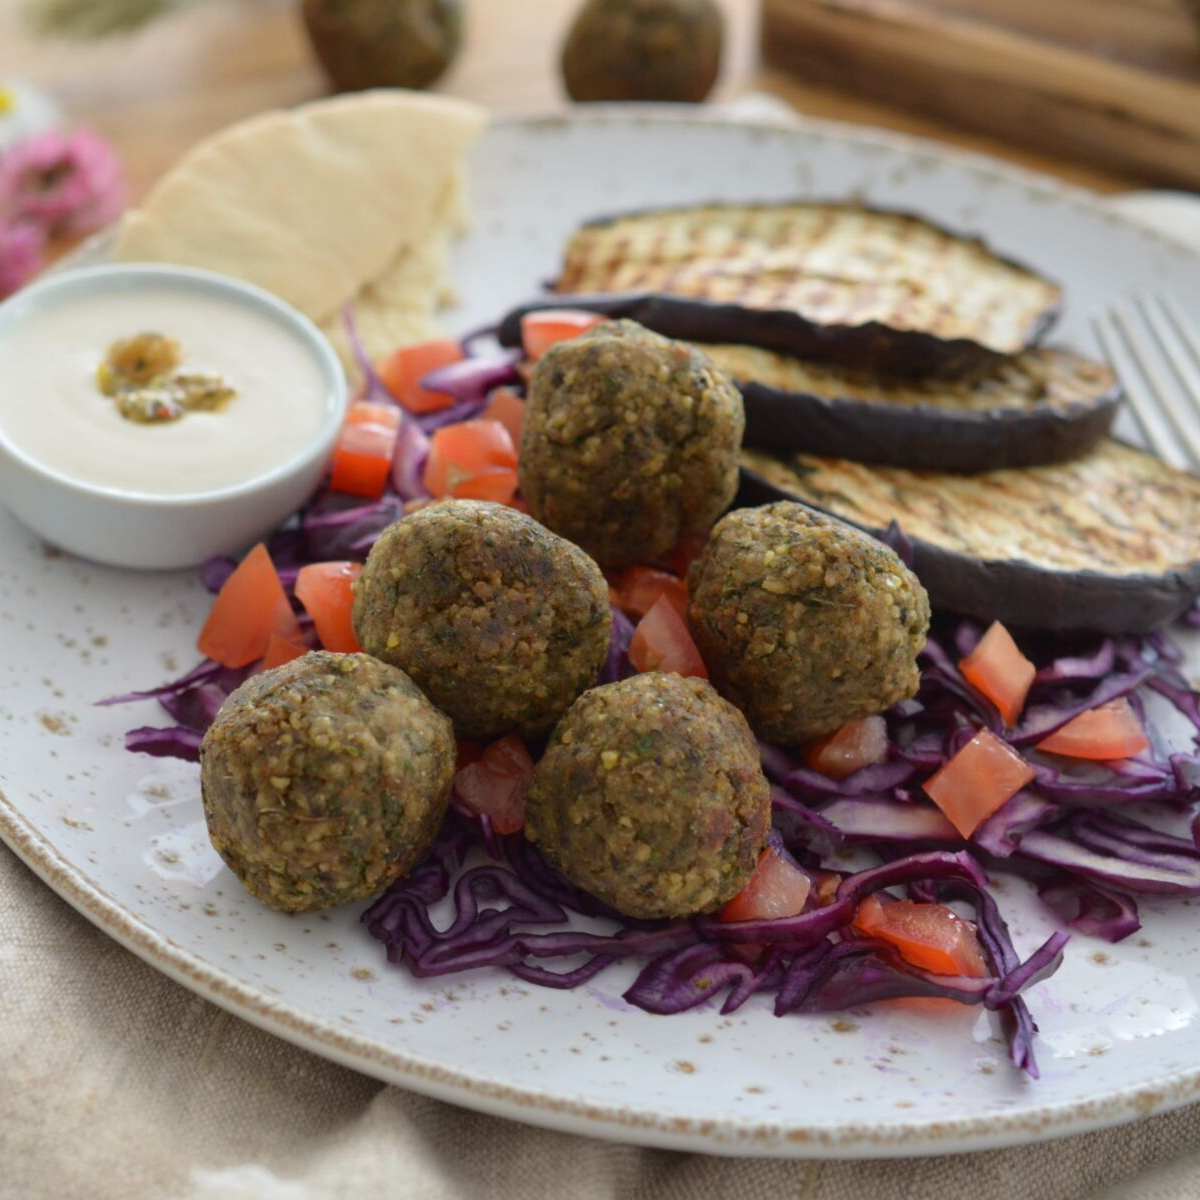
<point x="1183" y="412"/>
<point x="1188" y="336"/>
<point x="1155" y="393"/>
<point x="1141" y="402"/>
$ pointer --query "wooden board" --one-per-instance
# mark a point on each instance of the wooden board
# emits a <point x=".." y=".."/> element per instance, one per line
<point x="1112" y="82"/>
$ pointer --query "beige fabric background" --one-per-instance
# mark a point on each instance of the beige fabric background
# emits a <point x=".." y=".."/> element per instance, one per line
<point x="117" y="1084"/>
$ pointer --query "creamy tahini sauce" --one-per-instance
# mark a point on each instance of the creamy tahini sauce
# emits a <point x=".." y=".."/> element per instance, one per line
<point x="52" y="411"/>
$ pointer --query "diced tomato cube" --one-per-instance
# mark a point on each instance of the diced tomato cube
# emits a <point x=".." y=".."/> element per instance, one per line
<point x="661" y="642"/>
<point x="250" y="607"/>
<point x="403" y="371"/>
<point x="778" y="888"/>
<point x="496" y="783"/>
<point x="639" y="588"/>
<point x="541" y="330"/>
<point x="280" y="652"/>
<point x="997" y="669"/>
<point x="930" y="936"/>
<point x="327" y="592"/>
<point x="362" y="459"/>
<point x="505" y="406"/>
<point x="473" y="460"/>
<point x="980" y="779"/>
<point x="857" y="744"/>
<point x="1108" y="732"/>
<point x="498" y="486"/>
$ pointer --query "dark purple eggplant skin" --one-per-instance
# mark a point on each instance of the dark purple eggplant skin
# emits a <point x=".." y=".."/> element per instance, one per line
<point x="907" y="354"/>
<point x="921" y="437"/>
<point x="1023" y="595"/>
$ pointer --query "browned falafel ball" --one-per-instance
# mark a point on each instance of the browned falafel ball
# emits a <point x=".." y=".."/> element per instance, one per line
<point x="651" y="797"/>
<point x="630" y="442"/>
<point x="325" y="779"/>
<point x="804" y="622"/>
<point x="501" y="622"/>
<point x="643" y="50"/>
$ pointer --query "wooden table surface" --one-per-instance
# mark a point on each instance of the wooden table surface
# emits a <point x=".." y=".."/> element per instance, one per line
<point x="157" y="92"/>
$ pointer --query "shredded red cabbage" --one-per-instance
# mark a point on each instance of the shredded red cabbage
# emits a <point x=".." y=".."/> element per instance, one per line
<point x="617" y="665"/>
<point x="472" y="380"/>
<point x="1092" y="909"/>
<point x="375" y="390"/>
<point x="336" y="527"/>
<point x="412" y="449"/>
<point x="174" y="742"/>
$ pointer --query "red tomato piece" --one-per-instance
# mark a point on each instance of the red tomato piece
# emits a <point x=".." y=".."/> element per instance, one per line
<point x="362" y="459"/>
<point x="403" y="371"/>
<point x="690" y="547"/>
<point x="1110" y="731"/>
<point x="981" y="778"/>
<point x="505" y="406"/>
<point x="327" y="592"/>
<point x="280" y="652"/>
<point x="499" y="486"/>
<point x="661" y="642"/>
<point x="930" y="936"/>
<point x="496" y="783"/>
<point x="999" y="671"/>
<point x="857" y="744"/>
<point x="460" y="454"/>
<point x="249" y="608"/>
<point x="541" y="330"/>
<point x="639" y="588"/>
<point x="778" y="888"/>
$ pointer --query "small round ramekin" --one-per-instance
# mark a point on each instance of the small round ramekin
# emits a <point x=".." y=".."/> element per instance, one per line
<point x="150" y="532"/>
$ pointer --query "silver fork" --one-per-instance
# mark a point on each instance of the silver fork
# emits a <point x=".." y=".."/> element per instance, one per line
<point x="1138" y="340"/>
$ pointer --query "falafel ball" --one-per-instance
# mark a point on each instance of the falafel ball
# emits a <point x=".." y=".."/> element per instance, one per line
<point x="501" y="622"/>
<point x="630" y="442"/>
<point x="804" y="622"/>
<point x="651" y="797"/>
<point x="643" y="50"/>
<point x="325" y="779"/>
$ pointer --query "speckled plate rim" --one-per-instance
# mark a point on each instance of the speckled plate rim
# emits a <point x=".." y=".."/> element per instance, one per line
<point x="906" y="1138"/>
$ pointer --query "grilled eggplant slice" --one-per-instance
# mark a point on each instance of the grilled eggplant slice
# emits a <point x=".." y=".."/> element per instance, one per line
<point x="883" y="291"/>
<point x="1043" y="406"/>
<point x="1109" y="542"/>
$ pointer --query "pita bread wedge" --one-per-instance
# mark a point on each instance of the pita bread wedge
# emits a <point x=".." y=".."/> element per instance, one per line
<point x="311" y="204"/>
<point x="398" y="308"/>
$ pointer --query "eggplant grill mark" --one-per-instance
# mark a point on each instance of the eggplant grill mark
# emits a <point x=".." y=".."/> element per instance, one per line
<point x="1092" y="544"/>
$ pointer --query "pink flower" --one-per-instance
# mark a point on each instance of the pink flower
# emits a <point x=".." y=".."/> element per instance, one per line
<point x="20" y="253"/>
<point x="65" y="182"/>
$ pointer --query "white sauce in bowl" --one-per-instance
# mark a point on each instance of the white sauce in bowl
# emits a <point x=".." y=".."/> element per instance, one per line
<point x="53" y="413"/>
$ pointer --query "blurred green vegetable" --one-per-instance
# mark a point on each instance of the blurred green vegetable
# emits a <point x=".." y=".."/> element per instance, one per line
<point x="83" y="19"/>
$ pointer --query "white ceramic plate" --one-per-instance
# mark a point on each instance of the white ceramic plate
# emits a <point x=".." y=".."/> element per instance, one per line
<point x="122" y="837"/>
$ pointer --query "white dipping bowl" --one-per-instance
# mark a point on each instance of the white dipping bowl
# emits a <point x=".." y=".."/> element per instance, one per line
<point x="162" y="532"/>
